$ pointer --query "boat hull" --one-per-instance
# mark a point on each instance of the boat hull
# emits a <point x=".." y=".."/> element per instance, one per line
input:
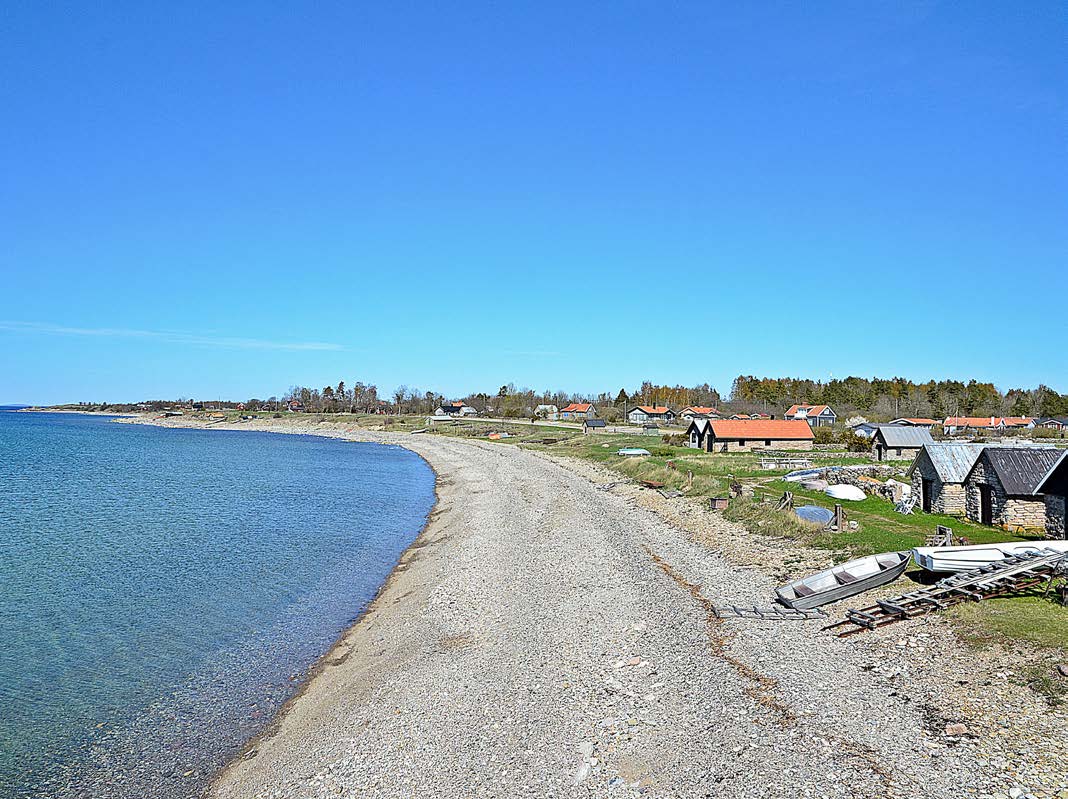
<point x="787" y="594"/>
<point x="958" y="559"/>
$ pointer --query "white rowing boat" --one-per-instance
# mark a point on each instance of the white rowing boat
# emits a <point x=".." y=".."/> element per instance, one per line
<point x="958" y="559"/>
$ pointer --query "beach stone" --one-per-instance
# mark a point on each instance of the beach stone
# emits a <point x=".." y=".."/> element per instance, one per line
<point x="954" y="730"/>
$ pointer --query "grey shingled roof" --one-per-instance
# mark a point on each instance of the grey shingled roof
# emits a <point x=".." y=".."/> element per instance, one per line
<point x="1021" y="468"/>
<point x="898" y="436"/>
<point x="951" y="462"/>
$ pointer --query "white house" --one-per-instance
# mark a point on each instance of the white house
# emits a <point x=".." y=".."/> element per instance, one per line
<point x="550" y="412"/>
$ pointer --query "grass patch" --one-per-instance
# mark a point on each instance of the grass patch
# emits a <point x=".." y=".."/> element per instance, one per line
<point x="882" y="529"/>
<point x="762" y="517"/>
<point x="1032" y="618"/>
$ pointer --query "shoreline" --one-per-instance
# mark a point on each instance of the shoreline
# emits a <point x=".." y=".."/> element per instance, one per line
<point x="328" y="676"/>
<point x="330" y="655"/>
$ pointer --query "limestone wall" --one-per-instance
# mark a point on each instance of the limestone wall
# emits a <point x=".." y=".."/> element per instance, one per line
<point x="1055" y="511"/>
<point x="946" y="498"/>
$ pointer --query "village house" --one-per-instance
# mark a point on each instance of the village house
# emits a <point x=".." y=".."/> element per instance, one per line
<point x="747" y="416"/>
<point x="698" y="412"/>
<point x="295" y="406"/>
<point x="1001" y="487"/>
<point x="892" y="442"/>
<point x="938" y="476"/>
<point x="455" y="409"/>
<point x="550" y="412"/>
<point x="815" y="415"/>
<point x="915" y="422"/>
<point x="593" y="426"/>
<point x="1052" y="422"/>
<point x="645" y="414"/>
<point x="579" y="410"/>
<point x="1017" y="422"/>
<point x="1054" y="487"/>
<point x="959" y="424"/>
<point x="746" y="435"/>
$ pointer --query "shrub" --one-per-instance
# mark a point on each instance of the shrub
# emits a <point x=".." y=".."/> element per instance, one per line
<point x="276" y="416"/>
<point x="674" y="439"/>
<point x="854" y="443"/>
<point x="1045" y="432"/>
<point x="823" y="435"/>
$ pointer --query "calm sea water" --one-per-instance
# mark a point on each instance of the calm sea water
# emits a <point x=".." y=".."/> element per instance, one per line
<point x="163" y="591"/>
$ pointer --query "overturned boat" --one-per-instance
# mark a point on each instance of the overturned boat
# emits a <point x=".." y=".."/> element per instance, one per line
<point x="958" y="559"/>
<point x="844" y="580"/>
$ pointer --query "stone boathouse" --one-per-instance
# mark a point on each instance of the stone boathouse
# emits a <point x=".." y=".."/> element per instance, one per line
<point x="938" y="475"/>
<point x="1001" y="487"/>
<point x="898" y="443"/>
<point x="1054" y="487"/>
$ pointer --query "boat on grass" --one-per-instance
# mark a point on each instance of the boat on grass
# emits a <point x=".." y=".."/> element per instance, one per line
<point x="958" y="559"/>
<point x="845" y="491"/>
<point x="843" y="581"/>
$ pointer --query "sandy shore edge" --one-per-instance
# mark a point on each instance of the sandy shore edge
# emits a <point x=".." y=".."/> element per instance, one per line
<point x="343" y="646"/>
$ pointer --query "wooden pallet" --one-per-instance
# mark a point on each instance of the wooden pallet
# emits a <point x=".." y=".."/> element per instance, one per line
<point x="1013" y="575"/>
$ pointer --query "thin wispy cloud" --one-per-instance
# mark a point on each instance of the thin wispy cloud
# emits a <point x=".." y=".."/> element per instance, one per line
<point x="167" y="336"/>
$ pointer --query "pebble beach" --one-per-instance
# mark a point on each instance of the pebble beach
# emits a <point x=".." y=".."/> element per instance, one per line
<point x="550" y="634"/>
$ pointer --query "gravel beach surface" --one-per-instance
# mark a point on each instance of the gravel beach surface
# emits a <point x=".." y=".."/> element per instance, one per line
<point x="550" y="635"/>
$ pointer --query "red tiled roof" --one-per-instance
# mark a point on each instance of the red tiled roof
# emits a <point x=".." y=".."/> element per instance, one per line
<point x="790" y="429"/>
<point x="918" y="421"/>
<point x="578" y="407"/>
<point x="811" y="410"/>
<point x="654" y="408"/>
<point x="971" y="421"/>
<point x="699" y="409"/>
<point x="987" y="421"/>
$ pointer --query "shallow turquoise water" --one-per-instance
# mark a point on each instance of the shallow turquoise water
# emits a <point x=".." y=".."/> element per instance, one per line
<point x="162" y="591"/>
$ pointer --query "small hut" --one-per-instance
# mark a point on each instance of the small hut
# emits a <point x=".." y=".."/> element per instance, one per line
<point x="593" y="426"/>
<point x="1002" y="487"/>
<point x="938" y="475"/>
<point x="898" y="443"/>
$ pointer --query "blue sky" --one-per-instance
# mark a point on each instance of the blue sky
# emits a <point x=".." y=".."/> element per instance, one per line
<point x="228" y="199"/>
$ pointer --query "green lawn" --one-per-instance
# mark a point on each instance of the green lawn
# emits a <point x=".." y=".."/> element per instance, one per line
<point x="1032" y="618"/>
<point x="881" y="528"/>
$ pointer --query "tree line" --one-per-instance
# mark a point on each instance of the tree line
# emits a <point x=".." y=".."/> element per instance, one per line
<point x="879" y="399"/>
<point x="897" y="397"/>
